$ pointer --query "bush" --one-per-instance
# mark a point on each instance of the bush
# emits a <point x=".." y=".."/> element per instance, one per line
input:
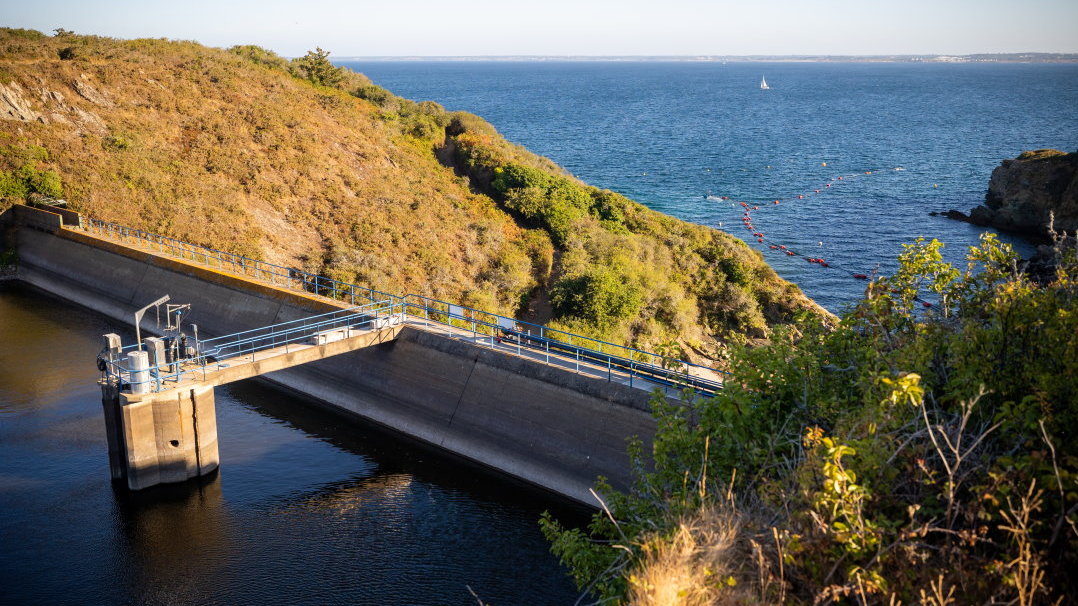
<point x="31" y="177"/>
<point x="260" y="56"/>
<point x="911" y="454"/>
<point x="599" y="297"/>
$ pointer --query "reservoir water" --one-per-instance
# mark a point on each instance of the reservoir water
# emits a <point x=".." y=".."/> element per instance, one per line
<point x="668" y="133"/>
<point x="307" y="508"/>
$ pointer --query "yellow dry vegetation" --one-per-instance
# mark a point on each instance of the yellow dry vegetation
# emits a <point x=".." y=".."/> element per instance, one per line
<point x="243" y="151"/>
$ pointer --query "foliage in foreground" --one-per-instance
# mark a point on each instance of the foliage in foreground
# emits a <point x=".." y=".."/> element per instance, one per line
<point x="912" y="454"/>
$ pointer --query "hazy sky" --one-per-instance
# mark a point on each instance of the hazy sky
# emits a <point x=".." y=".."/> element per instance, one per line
<point x="576" y="27"/>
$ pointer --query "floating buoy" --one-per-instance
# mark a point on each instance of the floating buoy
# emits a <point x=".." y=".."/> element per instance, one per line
<point x="926" y="304"/>
<point x="935" y="185"/>
<point x="759" y="239"/>
<point x="755" y="208"/>
<point x="860" y="276"/>
<point x="799" y="197"/>
<point x="790" y="253"/>
<point x="828" y="185"/>
<point x="823" y="163"/>
<point x="782" y="246"/>
<point x="776" y="201"/>
<point x="773" y="246"/>
<point x="817" y="191"/>
<point x="823" y="263"/>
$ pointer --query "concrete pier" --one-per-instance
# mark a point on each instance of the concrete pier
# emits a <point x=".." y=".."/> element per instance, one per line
<point x="160" y="438"/>
<point x="166" y="432"/>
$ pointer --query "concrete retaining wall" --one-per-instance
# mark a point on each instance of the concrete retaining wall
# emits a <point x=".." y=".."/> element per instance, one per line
<point x="545" y="425"/>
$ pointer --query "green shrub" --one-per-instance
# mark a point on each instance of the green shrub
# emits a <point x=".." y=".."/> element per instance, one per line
<point x="260" y="56"/>
<point x="30" y="176"/>
<point x="26" y="34"/>
<point x="599" y="297"/>
<point x="908" y="451"/>
<point x="375" y="94"/>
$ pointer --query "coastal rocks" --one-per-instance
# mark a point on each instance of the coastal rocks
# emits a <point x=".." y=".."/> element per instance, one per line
<point x="87" y="91"/>
<point x="951" y="214"/>
<point x="1024" y="193"/>
<point x="15" y="106"/>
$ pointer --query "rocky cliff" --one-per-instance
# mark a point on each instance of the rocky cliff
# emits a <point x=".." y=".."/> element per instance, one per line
<point x="1024" y="192"/>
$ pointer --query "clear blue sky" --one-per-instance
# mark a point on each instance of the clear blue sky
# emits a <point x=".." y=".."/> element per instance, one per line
<point x="576" y="27"/>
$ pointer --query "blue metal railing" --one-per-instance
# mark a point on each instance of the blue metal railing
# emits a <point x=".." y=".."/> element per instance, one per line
<point x="219" y="351"/>
<point x="501" y="331"/>
<point x="595" y="354"/>
<point x="278" y="275"/>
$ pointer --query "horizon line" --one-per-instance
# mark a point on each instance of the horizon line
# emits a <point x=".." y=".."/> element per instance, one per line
<point x="940" y="57"/>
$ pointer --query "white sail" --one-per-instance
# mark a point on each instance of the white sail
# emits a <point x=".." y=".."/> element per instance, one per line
<point x="763" y="84"/>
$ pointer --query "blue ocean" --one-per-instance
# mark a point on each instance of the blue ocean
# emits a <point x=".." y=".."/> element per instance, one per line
<point x="681" y="136"/>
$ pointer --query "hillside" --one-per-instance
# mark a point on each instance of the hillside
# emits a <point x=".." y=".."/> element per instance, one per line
<point x="304" y="164"/>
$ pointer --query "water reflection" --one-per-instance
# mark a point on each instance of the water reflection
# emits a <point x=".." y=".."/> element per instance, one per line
<point x="174" y="537"/>
<point x="344" y="500"/>
<point x="37" y="371"/>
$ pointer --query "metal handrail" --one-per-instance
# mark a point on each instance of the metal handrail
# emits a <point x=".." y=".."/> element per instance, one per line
<point x="626" y="360"/>
<point x="277" y="275"/>
<point x="632" y="362"/>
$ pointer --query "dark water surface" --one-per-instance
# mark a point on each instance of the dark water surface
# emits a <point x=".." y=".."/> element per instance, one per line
<point x="668" y="133"/>
<point x="307" y="508"/>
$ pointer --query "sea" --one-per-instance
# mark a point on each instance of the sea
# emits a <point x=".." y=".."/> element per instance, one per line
<point x="694" y="139"/>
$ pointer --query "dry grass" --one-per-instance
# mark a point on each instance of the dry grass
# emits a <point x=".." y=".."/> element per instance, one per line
<point x="697" y="566"/>
<point x="228" y="150"/>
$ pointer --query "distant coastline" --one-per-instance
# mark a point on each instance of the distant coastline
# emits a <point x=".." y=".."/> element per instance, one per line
<point x="975" y="58"/>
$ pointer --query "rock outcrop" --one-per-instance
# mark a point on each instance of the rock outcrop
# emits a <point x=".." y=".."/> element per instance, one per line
<point x="1023" y="193"/>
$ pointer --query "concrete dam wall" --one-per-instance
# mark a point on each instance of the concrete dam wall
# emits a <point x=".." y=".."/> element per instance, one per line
<point x="548" y="426"/>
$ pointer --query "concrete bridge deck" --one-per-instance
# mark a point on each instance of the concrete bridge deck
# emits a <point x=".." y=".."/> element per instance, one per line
<point x="245" y="366"/>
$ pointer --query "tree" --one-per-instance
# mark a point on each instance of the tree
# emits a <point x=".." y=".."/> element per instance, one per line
<point x="315" y="67"/>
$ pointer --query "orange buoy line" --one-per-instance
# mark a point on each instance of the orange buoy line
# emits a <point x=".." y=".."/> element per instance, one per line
<point x="746" y="219"/>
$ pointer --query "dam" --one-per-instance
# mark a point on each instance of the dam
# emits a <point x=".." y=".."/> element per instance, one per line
<point x="549" y="408"/>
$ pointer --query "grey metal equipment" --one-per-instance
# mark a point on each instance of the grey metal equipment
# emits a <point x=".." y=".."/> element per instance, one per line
<point x="140" y="313"/>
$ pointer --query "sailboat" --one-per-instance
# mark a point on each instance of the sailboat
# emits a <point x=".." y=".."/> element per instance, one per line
<point x="763" y="84"/>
